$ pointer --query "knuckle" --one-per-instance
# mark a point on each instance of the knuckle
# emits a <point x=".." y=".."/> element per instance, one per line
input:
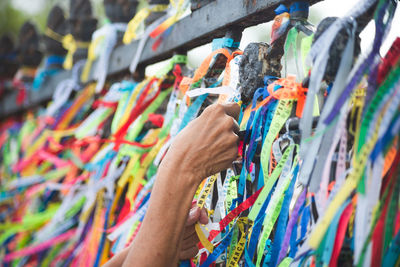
<point x="234" y="151"/>
<point x="209" y="171"/>
<point x="210" y="107"/>
<point x="211" y="110"/>
<point x="217" y="108"/>
<point x="228" y="123"/>
<point x="234" y="139"/>
<point x="205" y="113"/>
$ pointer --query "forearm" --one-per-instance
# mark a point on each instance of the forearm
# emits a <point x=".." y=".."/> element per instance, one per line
<point x="206" y="146"/>
<point x="157" y="242"/>
<point x="118" y="259"/>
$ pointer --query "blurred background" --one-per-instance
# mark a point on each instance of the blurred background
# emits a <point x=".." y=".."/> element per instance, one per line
<point x="13" y="13"/>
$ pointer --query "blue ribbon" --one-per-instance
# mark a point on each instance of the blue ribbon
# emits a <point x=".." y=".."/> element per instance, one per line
<point x="255" y="233"/>
<point x="281" y="9"/>
<point x="300" y="7"/>
<point x="305" y="218"/>
<point x="185" y="263"/>
<point x="248" y="261"/>
<point x="103" y="236"/>
<point x="242" y="184"/>
<point x="293" y="243"/>
<point x="192" y="111"/>
<point x="283" y="220"/>
<point x="393" y="252"/>
<point x="252" y="144"/>
<point x="47" y="71"/>
<point x="331" y="235"/>
<point x="54" y="60"/>
<point x="218" y="251"/>
<point x="218" y="43"/>
<point x="267" y="258"/>
<point x="41" y="77"/>
<point x="386" y="139"/>
<point x="264" y="130"/>
<point x="10" y="56"/>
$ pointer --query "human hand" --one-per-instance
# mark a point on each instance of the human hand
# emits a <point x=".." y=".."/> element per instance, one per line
<point x="188" y="246"/>
<point x="208" y="144"/>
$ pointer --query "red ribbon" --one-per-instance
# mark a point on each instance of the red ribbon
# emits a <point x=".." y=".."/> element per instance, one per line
<point x="106" y="104"/>
<point x="390" y="60"/>
<point x="156" y="119"/>
<point x="140" y="106"/>
<point x="377" y="236"/>
<point x="42" y="246"/>
<point x="233" y="214"/>
<point x="341" y="232"/>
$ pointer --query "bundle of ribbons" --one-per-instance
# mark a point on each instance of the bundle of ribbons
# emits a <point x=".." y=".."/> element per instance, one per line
<point x="318" y="183"/>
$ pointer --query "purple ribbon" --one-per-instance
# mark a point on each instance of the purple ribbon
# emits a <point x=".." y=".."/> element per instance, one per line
<point x="291" y="223"/>
<point x="369" y="61"/>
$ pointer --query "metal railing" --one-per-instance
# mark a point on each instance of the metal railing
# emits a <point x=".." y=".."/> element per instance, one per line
<point x="211" y="21"/>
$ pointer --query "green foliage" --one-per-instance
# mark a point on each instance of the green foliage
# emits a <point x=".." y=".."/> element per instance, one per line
<point x="10" y="19"/>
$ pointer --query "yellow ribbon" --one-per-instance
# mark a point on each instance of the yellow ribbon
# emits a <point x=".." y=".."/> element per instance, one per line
<point x="349" y="185"/>
<point x="203" y="239"/>
<point x="178" y="5"/>
<point x="91" y="57"/>
<point x="207" y="190"/>
<point x="133" y="25"/>
<point x="131" y="102"/>
<point x="71" y="45"/>
<point x="237" y="253"/>
<point x="200" y="203"/>
<point x="53" y="35"/>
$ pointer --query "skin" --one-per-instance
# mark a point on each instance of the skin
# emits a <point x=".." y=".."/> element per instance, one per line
<point x="208" y="145"/>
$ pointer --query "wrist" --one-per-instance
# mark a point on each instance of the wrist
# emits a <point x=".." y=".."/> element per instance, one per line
<point x="183" y="174"/>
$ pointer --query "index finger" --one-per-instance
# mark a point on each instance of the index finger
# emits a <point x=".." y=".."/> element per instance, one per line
<point x="232" y="109"/>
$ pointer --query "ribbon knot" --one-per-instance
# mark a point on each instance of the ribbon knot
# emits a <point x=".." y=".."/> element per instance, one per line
<point x="70" y="45"/>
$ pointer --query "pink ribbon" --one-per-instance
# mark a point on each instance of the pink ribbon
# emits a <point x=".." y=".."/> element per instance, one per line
<point x="35" y="249"/>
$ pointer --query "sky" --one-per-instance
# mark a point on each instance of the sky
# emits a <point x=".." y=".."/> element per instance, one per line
<point x="30" y="7"/>
<point x="33" y="7"/>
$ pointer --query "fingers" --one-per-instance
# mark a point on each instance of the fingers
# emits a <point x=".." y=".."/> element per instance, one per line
<point x="203" y="216"/>
<point x="232" y="109"/>
<point x="189" y="231"/>
<point x="189" y="253"/>
<point x="189" y="241"/>
<point x="197" y="215"/>
<point x="194" y="215"/>
<point x="236" y="127"/>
